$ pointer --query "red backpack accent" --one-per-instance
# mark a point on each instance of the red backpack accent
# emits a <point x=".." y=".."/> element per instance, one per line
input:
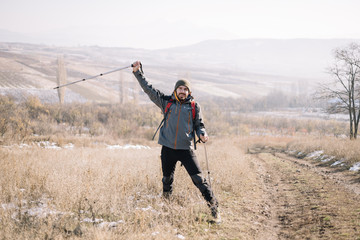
<point x="171" y="101"/>
<point x="193" y="109"/>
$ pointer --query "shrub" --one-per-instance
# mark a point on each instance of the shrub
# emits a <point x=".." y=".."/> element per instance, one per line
<point x="130" y="120"/>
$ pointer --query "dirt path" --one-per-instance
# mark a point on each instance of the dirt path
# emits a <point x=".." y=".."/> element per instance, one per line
<point x="294" y="199"/>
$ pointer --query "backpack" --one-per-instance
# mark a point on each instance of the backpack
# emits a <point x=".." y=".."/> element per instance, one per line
<point x="171" y="101"/>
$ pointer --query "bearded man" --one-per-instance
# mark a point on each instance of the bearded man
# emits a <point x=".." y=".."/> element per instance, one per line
<point x="182" y="120"/>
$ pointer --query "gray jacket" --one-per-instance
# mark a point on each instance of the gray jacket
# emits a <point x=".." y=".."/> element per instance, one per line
<point x="177" y="131"/>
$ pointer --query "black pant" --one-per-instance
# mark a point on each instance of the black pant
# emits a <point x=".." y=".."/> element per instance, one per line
<point x="169" y="158"/>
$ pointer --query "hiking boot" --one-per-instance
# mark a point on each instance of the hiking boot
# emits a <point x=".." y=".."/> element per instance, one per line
<point x="166" y="195"/>
<point x="215" y="213"/>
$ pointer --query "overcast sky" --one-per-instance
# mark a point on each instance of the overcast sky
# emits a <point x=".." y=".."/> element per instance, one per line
<point x="155" y="24"/>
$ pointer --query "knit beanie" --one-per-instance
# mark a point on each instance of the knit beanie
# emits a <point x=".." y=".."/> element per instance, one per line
<point x="182" y="82"/>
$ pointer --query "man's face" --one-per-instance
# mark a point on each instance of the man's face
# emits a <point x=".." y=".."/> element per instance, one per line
<point x="182" y="92"/>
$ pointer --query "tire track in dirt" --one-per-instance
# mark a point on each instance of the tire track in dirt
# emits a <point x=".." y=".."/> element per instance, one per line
<point x="347" y="179"/>
<point x="300" y="203"/>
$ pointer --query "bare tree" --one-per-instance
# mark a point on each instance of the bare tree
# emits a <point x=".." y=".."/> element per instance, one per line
<point x="61" y="78"/>
<point x="343" y="94"/>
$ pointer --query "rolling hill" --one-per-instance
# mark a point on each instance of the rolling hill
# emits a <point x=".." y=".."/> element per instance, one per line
<point x="236" y="68"/>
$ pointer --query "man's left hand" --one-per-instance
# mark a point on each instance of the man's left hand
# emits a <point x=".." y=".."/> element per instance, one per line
<point x="204" y="138"/>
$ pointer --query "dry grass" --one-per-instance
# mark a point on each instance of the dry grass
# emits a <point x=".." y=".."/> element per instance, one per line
<point x="340" y="148"/>
<point x="76" y="193"/>
<point x="121" y="187"/>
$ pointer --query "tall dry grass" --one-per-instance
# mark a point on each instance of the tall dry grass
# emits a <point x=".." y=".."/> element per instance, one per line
<point x="76" y="193"/>
<point x="341" y="148"/>
<point x="91" y="192"/>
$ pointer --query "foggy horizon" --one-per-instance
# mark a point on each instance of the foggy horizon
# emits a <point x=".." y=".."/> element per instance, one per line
<point x="164" y="24"/>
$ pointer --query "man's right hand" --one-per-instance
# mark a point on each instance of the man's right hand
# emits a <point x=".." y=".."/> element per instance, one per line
<point x="136" y="66"/>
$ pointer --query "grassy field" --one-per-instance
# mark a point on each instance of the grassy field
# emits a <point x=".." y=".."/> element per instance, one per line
<point x="48" y="193"/>
<point x="93" y="192"/>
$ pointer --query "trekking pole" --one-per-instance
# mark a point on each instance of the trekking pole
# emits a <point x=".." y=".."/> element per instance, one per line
<point x="207" y="165"/>
<point x="92" y="77"/>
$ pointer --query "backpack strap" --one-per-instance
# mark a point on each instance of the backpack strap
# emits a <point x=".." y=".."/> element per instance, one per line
<point x="171" y="101"/>
<point x="193" y="109"/>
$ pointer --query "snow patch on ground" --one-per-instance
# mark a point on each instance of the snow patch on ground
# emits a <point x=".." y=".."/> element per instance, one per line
<point x="319" y="155"/>
<point x="54" y="145"/>
<point x="39" y="208"/>
<point x="101" y="223"/>
<point x="339" y="162"/>
<point x="355" y="167"/>
<point x="180" y="236"/>
<point x="42" y="208"/>
<point x="326" y="158"/>
<point x="315" y="154"/>
<point x="127" y="146"/>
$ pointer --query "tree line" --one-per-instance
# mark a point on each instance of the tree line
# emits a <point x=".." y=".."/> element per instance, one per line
<point x="21" y="121"/>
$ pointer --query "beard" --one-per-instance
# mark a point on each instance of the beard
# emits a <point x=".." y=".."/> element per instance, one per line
<point x="182" y="96"/>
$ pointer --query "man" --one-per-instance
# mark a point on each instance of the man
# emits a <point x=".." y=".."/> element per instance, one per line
<point x="177" y="134"/>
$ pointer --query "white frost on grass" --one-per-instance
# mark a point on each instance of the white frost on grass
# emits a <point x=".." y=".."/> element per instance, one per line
<point x="42" y="211"/>
<point x="110" y="224"/>
<point x="24" y="145"/>
<point x="327" y="158"/>
<point x="127" y="146"/>
<point x="177" y="235"/>
<point x="319" y="155"/>
<point x="8" y="206"/>
<point x="145" y="209"/>
<point x="148" y="208"/>
<point x="21" y="145"/>
<point x="53" y="145"/>
<point x="355" y="167"/>
<point x="101" y="223"/>
<point x="155" y="233"/>
<point x="69" y="146"/>
<point x="292" y="152"/>
<point x="339" y="162"/>
<point x="180" y="236"/>
<point x="47" y="144"/>
<point x="39" y="209"/>
<point x="315" y="154"/>
<point x="96" y="220"/>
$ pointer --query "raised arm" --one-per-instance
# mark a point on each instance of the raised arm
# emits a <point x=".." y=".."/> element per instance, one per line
<point x="155" y="95"/>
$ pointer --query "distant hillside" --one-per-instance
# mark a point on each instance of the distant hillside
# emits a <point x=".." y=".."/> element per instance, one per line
<point x="9" y="36"/>
<point x="238" y="68"/>
<point x="295" y="57"/>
